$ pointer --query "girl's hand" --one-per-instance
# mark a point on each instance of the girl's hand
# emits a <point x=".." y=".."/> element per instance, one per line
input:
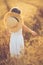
<point x="34" y="33"/>
<point x="7" y="32"/>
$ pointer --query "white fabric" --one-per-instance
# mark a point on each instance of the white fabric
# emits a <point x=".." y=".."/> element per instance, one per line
<point x="16" y="42"/>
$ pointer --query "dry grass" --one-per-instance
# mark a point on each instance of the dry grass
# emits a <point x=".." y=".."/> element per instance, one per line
<point x="33" y="54"/>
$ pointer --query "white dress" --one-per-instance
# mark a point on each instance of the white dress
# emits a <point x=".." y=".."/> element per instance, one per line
<point x="16" y="43"/>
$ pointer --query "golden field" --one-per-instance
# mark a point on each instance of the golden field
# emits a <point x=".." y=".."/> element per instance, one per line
<point x="32" y="14"/>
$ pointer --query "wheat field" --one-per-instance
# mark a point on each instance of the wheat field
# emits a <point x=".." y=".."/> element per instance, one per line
<point x="32" y="13"/>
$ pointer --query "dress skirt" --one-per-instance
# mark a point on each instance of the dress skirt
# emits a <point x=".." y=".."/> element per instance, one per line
<point x="16" y="43"/>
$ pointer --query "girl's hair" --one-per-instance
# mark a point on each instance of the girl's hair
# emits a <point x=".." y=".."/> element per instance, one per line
<point x="16" y="10"/>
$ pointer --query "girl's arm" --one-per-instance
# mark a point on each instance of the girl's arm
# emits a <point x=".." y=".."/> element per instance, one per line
<point x="7" y="32"/>
<point x="29" y="30"/>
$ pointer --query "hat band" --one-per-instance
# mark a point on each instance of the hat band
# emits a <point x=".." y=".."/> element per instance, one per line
<point x="16" y="19"/>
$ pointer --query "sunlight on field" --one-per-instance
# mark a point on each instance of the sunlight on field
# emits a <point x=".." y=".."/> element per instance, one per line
<point x="33" y="18"/>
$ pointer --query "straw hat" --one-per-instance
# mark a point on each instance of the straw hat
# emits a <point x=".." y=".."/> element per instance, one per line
<point x="13" y="21"/>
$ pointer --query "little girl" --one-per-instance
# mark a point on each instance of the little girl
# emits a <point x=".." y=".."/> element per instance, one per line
<point x="14" y="24"/>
